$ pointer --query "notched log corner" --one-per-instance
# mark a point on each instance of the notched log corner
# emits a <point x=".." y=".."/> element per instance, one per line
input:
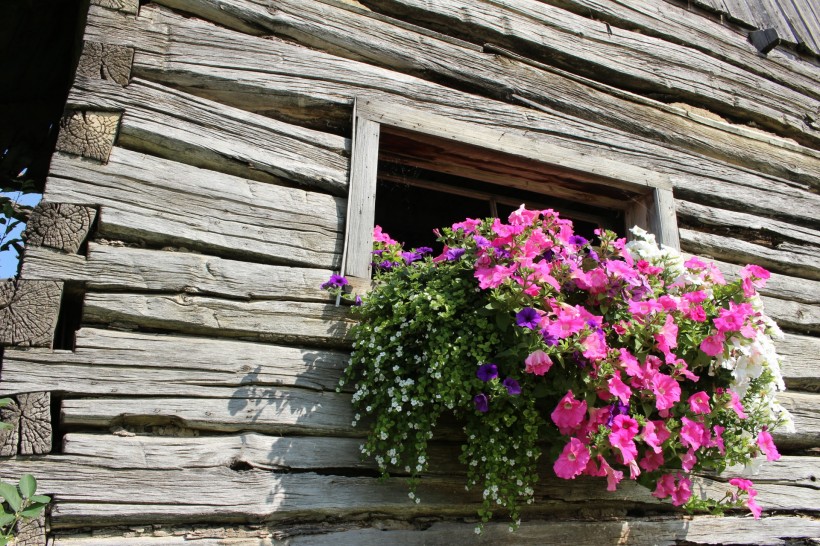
<point x="30" y="418"/>
<point x="31" y="532"/>
<point x="106" y="61"/>
<point x="10" y="437"/>
<point x="28" y="312"/>
<point x="89" y="134"/>
<point x="59" y="225"/>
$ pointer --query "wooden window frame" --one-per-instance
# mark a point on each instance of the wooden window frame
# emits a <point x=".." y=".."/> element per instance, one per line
<point x="653" y="208"/>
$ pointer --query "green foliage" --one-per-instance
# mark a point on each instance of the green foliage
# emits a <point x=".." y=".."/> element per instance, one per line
<point x="20" y="504"/>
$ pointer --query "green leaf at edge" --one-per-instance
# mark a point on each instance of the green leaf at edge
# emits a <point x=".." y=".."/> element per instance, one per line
<point x="9" y="492"/>
<point x="28" y="485"/>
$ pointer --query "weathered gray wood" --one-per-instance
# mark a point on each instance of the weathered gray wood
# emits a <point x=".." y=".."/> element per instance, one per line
<point x="799" y="361"/>
<point x="337" y="81"/>
<point x="31" y="532"/>
<point x="35" y="423"/>
<point x="88" y="134"/>
<point x="677" y="24"/>
<point x="801" y="261"/>
<point x="59" y="225"/>
<point x="805" y="407"/>
<point x="290" y="322"/>
<point x="664" y="531"/>
<point x="29" y="312"/>
<point x="172" y="124"/>
<point x="85" y="488"/>
<point x="163" y="202"/>
<point x="117" y="268"/>
<point x="111" y="362"/>
<point x="107" y="62"/>
<point x="125" y="6"/>
<point x="351" y="33"/>
<point x="662" y="219"/>
<point x="10" y="437"/>
<point x="792" y="315"/>
<point x="611" y="54"/>
<point x="696" y="214"/>
<point x="264" y="409"/>
<point x="361" y="202"/>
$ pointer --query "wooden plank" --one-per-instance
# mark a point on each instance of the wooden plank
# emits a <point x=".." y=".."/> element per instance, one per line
<point x="58" y="225"/>
<point x="361" y="203"/>
<point x="792" y="315"/>
<point x="109" y="362"/>
<point x="617" y="55"/>
<point x="145" y="198"/>
<point x="805" y="407"/>
<point x="88" y="134"/>
<point x="124" y="268"/>
<point x="10" y="437"/>
<point x="274" y="321"/>
<point x="799" y="361"/>
<point x="662" y="218"/>
<point x="803" y="23"/>
<point x="29" y="312"/>
<point x="173" y="124"/>
<point x="35" y="423"/>
<point x="85" y="491"/>
<point x="107" y="62"/>
<point x="125" y="6"/>
<point x="678" y="24"/>
<point x="351" y="34"/>
<point x="796" y="260"/>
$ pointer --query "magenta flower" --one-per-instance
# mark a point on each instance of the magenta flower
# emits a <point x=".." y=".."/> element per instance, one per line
<point x="655" y="434"/>
<point x="736" y="405"/>
<point x="666" y="390"/>
<point x="482" y="403"/>
<point x="381" y="237"/>
<point x="512" y="386"/>
<point x="766" y="445"/>
<point x="569" y="412"/>
<point x="718" y="441"/>
<point x="538" y="363"/>
<point x="619" y="389"/>
<point x="713" y="345"/>
<point x="683" y="491"/>
<point x="335" y="281"/>
<point x="486" y="372"/>
<point x="572" y="461"/>
<point x="688" y="460"/>
<point x="693" y="433"/>
<point x="624" y="430"/>
<point x="699" y="402"/>
<point x="528" y="318"/>
<point x="651" y="461"/>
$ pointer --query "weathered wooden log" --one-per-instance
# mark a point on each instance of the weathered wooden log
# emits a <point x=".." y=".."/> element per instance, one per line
<point x="84" y="488"/>
<point x="29" y="312"/>
<point x="797" y="260"/>
<point x="119" y="268"/>
<point x="799" y="361"/>
<point x="125" y="6"/>
<point x="107" y="62"/>
<point x="551" y="35"/>
<point x="31" y="532"/>
<point x="677" y="24"/>
<point x="360" y="35"/>
<point x="172" y="124"/>
<point x="659" y="531"/>
<point x="59" y="225"/>
<point x="336" y="81"/>
<point x="88" y="134"/>
<point x="35" y="423"/>
<point x="146" y="198"/>
<point x="111" y="362"/>
<point x="289" y="322"/>
<point x="10" y="437"/>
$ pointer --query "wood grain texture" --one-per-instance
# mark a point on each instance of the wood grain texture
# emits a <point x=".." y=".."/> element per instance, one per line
<point x="336" y="81"/>
<point x="107" y="62"/>
<point x="35" y="423"/>
<point x="799" y="361"/>
<point x="29" y="312"/>
<point x="798" y="260"/>
<point x="108" y="362"/>
<point x="359" y="35"/>
<point x="125" y="6"/>
<point x="10" y="437"/>
<point x="88" y="134"/>
<point x="145" y="198"/>
<point x="31" y="532"/>
<point x="61" y="226"/>
<point x="124" y="268"/>
<point x="173" y="124"/>
<point x="274" y="321"/>
<point x="628" y="59"/>
<point x="361" y="203"/>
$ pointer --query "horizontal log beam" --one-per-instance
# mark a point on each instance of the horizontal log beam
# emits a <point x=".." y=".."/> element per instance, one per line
<point x="146" y="198"/>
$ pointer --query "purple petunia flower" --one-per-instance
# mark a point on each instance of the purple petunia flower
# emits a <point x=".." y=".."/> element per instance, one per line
<point x="358" y="300"/>
<point x="410" y="257"/>
<point x="618" y="408"/>
<point x="513" y="388"/>
<point x="481" y="242"/>
<point x="527" y="318"/>
<point x="422" y="250"/>
<point x="335" y="281"/>
<point x="548" y="255"/>
<point x="482" y="403"/>
<point x="549" y="339"/>
<point x="454" y="254"/>
<point x="577" y="240"/>
<point x="487" y="371"/>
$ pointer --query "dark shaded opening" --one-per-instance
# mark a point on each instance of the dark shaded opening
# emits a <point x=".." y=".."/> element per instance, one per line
<point x="70" y="317"/>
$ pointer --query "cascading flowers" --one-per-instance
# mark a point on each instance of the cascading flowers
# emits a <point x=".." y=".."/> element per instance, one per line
<point x="619" y="360"/>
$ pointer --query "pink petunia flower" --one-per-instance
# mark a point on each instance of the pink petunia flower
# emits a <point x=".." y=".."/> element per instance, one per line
<point x="666" y="390"/>
<point x="713" y="345"/>
<point x="619" y="389"/>
<point x="699" y="402"/>
<point x="735" y="404"/>
<point x="655" y="434"/>
<point x="569" y="413"/>
<point x="572" y="461"/>
<point x="718" y="440"/>
<point x="624" y="430"/>
<point x="613" y="477"/>
<point x="665" y="486"/>
<point x="538" y="363"/>
<point x="688" y="460"/>
<point x="651" y="461"/>
<point x="766" y="445"/>
<point x="682" y="492"/>
<point x="693" y="434"/>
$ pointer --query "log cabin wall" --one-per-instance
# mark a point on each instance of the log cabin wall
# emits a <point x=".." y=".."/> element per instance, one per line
<point x="172" y="357"/>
